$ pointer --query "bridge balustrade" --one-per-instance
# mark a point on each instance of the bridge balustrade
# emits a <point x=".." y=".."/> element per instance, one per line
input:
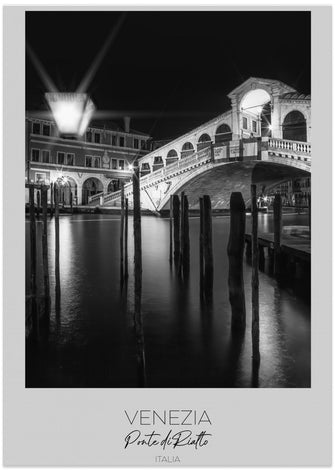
<point x="200" y="157"/>
<point x="186" y="153"/>
<point x="203" y="145"/>
<point x="291" y="146"/>
<point x="297" y="150"/>
<point x="95" y="197"/>
<point x="224" y="137"/>
<point x="170" y="160"/>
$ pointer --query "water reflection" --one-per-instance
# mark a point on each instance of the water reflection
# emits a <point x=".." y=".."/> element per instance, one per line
<point x="188" y="341"/>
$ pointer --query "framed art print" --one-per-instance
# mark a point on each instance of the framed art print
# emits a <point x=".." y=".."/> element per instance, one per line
<point x="167" y="241"/>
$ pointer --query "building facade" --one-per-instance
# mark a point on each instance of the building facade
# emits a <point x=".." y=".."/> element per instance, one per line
<point x="96" y="163"/>
<point x="294" y="192"/>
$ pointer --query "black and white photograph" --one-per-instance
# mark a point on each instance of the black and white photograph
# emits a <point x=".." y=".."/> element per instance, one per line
<point x="168" y="199"/>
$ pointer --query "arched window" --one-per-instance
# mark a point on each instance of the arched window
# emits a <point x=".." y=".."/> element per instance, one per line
<point x="158" y="163"/>
<point x="171" y="157"/>
<point x="145" y="169"/>
<point x="294" y="127"/>
<point x="66" y="187"/>
<point x="223" y="134"/>
<point x="203" y="142"/>
<point x="91" y="187"/>
<point x="187" y="146"/>
<point x="204" y="138"/>
<point x="187" y="149"/>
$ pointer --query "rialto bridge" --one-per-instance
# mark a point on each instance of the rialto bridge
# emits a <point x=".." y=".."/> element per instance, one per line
<point x="264" y="138"/>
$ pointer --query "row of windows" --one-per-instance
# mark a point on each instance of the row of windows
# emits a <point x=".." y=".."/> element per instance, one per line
<point x="95" y="162"/>
<point x="115" y="140"/>
<point x="43" y="156"/>
<point x="43" y="129"/>
<point x="68" y="159"/>
<point x="253" y="124"/>
<point x="95" y="137"/>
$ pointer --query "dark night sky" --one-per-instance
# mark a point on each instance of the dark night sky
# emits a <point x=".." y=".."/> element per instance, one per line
<point x="168" y="62"/>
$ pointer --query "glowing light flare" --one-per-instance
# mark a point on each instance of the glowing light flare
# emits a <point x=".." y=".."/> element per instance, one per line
<point x="270" y="127"/>
<point x="41" y="70"/>
<point x="71" y="111"/>
<point x="84" y="84"/>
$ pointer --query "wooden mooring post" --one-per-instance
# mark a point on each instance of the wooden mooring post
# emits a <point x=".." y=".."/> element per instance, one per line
<point x="138" y="321"/>
<point x="57" y="269"/>
<point x="51" y="199"/>
<point x="38" y="200"/>
<point x="277" y="224"/>
<point x="171" y="228"/>
<point x="45" y="250"/>
<point x="208" y="244"/>
<point x="126" y="239"/>
<point x="185" y="237"/>
<point x="122" y="232"/>
<point x="181" y="254"/>
<point x="71" y="201"/>
<point x="270" y="258"/>
<point x="255" y="280"/>
<point x="176" y="227"/>
<point x="201" y="245"/>
<point x="310" y="214"/>
<point x="33" y="289"/>
<point x="235" y="251"/>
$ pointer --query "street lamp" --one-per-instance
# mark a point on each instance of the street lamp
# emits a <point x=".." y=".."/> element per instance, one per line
<point x="71" y="111"/>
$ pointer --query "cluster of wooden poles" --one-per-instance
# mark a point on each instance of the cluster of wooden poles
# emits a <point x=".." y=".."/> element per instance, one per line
<point x="34" y="213"/>
<point x="137" y="316"/>
<point x="52" y="187"/>
<point x="179" y="234"/>
<point x="180" y="253"/>
<point x="124" y="238"/>
<point x="180" y="240"/>
<point x="235" y="250"/>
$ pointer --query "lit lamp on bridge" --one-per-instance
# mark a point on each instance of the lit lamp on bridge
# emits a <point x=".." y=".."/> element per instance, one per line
<point x="71" y="111"/>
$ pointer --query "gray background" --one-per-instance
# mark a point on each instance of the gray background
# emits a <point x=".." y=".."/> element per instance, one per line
<point x="86" y="426"/>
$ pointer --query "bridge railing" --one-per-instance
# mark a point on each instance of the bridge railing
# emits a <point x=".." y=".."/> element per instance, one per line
<point x="196" y="158"/>
<point x="186" y="162"/>
<point x="291" y="146"/>
<point x="294" y="148"/>
<point x="95" y="197"/>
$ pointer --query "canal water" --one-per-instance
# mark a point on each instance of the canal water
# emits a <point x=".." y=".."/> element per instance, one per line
<point x="89" y="341"/>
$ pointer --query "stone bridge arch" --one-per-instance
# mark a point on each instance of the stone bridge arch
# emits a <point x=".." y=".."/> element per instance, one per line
<point x="219" y="181"/>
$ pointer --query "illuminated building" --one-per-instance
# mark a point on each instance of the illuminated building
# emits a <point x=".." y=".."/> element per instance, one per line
<point x="93" y="164"/>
